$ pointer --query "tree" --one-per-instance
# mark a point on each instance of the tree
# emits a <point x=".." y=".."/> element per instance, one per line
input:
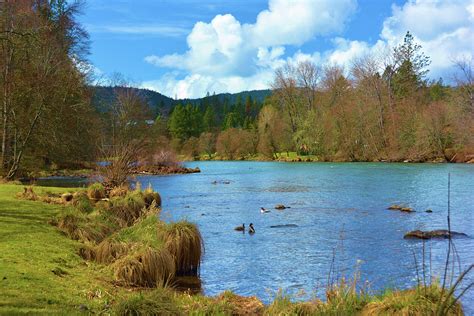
<point x="207" y="144"/>
<point x="465" y="82"/>
<point x="274" y="134"/>
<point x="409" y="67"/>
<point x="209" y="119"/>
<point x="44" y="72"/>
<point x="235" y="143"/>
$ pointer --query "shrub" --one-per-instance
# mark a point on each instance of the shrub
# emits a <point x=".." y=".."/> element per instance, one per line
<point x="28" y="194"/>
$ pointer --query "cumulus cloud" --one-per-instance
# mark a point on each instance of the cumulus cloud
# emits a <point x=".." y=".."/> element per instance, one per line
<point x="225" y="55"/>
<point x="445" y="29"/>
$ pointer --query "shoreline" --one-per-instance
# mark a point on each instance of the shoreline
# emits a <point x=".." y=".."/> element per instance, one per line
<point x="257" y="159"/>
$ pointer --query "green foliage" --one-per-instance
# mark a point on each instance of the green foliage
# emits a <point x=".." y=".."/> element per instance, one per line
<point x="410" y="67"/>
<point x="209" y="119"/>
<point x="185" y="121"/>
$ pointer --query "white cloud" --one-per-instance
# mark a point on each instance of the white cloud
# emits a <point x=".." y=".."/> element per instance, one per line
<point x="445" y="30"/>
<point x="225" y="55"/>
<point x="295" y="22"/>
<point x="162" y="30"/>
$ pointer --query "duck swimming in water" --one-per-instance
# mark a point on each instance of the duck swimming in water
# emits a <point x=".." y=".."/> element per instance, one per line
<point x="240" y="228"/>
<point x="251" y="229"/>
<point x="264" y="210"/>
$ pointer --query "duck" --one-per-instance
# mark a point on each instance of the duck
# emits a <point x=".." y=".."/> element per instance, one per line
<point x="251" y="229"/>
<point x="264" y="210"/>
<point x="240" y="228"/>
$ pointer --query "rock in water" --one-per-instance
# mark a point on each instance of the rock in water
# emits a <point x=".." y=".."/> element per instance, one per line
<point x="395" y="207"/>
<point x="284" y="225"/>
<point x="439" y="233"/>
<point x="400" y="208"/>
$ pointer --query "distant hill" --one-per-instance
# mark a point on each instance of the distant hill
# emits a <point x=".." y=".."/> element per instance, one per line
<point x="103" y="97"/>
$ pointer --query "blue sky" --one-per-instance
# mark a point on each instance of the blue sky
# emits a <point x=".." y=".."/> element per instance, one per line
<point x="185" y="48"/>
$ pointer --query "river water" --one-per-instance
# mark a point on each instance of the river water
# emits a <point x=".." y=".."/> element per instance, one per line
<point x="343" y="224"/>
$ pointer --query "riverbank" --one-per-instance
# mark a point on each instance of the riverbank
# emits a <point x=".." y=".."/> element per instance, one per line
<point x="295" y="157"/>
<point x="42" y="273"/>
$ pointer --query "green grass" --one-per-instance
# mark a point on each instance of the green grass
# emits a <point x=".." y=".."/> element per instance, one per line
<point x="40" y="271"/>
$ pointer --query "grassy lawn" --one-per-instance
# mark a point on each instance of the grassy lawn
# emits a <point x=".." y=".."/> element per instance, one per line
<point x="40" y="270"/>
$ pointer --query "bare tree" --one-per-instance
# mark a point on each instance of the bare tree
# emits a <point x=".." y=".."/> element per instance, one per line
<point x="464" y="79"/>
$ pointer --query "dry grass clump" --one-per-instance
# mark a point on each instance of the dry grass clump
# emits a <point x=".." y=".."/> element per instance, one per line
<point x="418" y="301"/>
<point x="118" y="191"/>
<point x="108" y="251"/>
<point x="78" y="226"/>
<point x="28" y="194"/>
<point x="96" y="191"/>
<point x="184" y="242"/>
<point x="87" y="252"/>
<point x="151" y="196"/>
<point x="129" y="208"/>
<point x="146" y="267"/>
<point x="242" y="305"/>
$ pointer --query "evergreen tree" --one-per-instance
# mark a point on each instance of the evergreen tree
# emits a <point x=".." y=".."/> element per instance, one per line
<point x="209" y="119"/>
<point x="410" y="67"/>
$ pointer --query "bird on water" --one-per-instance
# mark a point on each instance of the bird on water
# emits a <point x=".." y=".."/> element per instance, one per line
<point x="240" y="228"/>
<point x="251" y="229"/>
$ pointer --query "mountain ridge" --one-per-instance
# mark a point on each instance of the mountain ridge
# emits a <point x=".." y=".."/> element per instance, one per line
<point x="160" y="104"/>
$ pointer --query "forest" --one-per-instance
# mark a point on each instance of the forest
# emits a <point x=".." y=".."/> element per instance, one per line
<point x="380" y="108"/>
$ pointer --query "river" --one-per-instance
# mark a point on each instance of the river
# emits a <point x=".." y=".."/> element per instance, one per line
<point x="340" y="210"/>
